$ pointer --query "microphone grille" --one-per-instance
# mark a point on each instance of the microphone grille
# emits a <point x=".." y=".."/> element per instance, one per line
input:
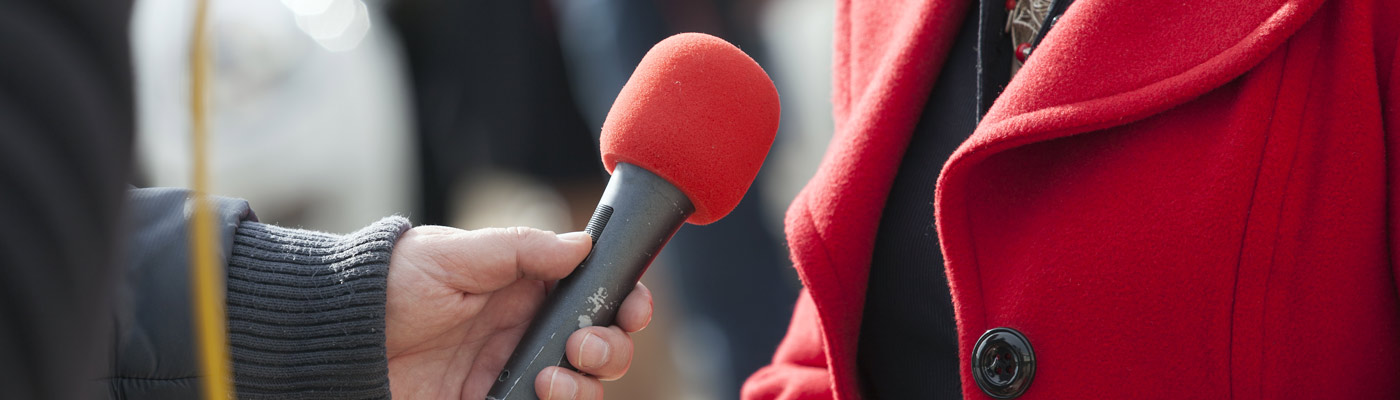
<point x="699" y="113"/>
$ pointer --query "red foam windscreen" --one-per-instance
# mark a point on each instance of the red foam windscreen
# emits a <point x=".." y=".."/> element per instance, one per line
<point x="701" y="114"/>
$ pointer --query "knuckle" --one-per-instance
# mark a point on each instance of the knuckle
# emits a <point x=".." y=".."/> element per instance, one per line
<point x="519" y="235"/>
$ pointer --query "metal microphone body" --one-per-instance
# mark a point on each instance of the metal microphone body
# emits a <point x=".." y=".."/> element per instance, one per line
<point x="637" y="214"/>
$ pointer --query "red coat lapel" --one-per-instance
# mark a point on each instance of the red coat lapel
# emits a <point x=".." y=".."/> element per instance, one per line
<point x="887" y="54"/>
<point x="1106" y="63"/>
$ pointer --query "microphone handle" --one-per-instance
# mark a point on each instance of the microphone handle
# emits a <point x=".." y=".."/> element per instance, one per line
<point x="637" y="215"/>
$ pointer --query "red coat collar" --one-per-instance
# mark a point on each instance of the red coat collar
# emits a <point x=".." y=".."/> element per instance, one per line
<point x="1107" y="63"/>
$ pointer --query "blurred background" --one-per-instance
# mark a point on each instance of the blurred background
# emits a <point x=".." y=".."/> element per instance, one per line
<point x="330" y="114"/>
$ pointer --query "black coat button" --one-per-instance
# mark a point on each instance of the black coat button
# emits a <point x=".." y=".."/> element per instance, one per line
<point x="1003" y="363"/>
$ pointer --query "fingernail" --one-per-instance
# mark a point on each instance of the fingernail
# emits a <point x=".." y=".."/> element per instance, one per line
<point x="649" y="317"/>
<point x="593" y="352"/>
<point x="562" y="386"/>
<point x="575" y="236"/>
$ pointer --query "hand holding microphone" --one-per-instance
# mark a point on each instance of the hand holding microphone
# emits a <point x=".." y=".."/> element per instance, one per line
<point x="684" y="140"/>
<point x="458" y="300"/>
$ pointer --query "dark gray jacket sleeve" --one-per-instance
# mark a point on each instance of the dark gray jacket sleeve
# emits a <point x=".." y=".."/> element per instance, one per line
<point x="305" y="309"/>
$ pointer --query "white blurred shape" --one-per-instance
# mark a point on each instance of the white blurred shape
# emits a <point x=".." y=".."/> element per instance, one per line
<point x="312" y="138"/>
<point x="353" y="33"/>
<point x="330" y="23"/>
<point x="307" y="7"/>
<point x="340" y="27"/>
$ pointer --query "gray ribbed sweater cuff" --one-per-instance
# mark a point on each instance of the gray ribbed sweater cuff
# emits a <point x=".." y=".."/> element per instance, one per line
<point x="306" y="311"/>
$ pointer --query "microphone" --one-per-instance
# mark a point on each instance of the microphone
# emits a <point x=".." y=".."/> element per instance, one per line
<point x="683" y="142"/>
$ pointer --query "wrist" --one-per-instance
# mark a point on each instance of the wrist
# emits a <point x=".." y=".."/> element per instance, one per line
<point x="306" y="310"/>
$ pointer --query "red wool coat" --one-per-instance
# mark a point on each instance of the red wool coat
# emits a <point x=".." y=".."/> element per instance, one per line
<point x="1173" y="199"/>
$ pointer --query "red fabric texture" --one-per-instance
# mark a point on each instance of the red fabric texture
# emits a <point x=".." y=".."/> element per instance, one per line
<point x="1170" y="200"/>
<point x="699" y="113"/>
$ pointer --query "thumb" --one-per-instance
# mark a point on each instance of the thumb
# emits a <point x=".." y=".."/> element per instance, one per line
<point x="485" y="260"/>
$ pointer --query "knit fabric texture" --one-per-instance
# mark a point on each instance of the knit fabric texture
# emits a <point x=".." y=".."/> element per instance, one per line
<point x="306" y="311"/>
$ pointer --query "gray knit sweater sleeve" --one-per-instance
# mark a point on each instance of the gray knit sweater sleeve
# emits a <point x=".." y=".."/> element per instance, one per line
<point x="306" y="311"/>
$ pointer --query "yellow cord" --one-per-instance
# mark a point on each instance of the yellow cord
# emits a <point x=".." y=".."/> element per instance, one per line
<point x="206" y="274"/>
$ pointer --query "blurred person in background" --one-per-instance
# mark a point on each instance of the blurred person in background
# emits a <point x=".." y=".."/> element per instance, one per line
<point x="1059" y="199"/>
<point x="494" y="115"/>
<point x="96" y="295"/>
